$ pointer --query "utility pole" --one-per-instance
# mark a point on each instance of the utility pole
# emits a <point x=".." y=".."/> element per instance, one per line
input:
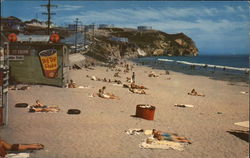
<point x="93" y="38"/>
<point x="76" y="35"/>
<point x="1" y="1"/>
<point x="48" y="6"/>
<point x="85" y="34"/>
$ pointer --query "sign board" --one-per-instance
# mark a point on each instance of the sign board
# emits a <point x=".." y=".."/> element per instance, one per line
<point x="16" y="57"/>
<point x="19" y="52"/>
<point x="49" y="62"/>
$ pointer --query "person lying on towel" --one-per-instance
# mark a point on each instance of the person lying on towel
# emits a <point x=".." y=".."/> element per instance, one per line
<point x="39" y="107"/>
<point x="5" y="147"/>
<point x="170" y="137"/>
<point x="102" y="94"/>
<point x="138" y="91"/>
<point x="134" y="86"/>
<point x="49" y="109"/>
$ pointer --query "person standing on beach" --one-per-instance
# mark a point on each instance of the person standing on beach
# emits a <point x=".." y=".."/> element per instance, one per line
<point x="133" y="77"/>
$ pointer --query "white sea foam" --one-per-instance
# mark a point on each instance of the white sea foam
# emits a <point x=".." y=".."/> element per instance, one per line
<point x="207" y="65"/>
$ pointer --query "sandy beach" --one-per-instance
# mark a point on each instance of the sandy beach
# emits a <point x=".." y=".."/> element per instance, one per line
<point x="99" y="130"/>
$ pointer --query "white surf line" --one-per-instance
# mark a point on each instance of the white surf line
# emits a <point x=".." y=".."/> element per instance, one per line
<point x="208" y="65"/>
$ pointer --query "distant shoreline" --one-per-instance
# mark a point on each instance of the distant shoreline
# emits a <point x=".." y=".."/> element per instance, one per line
<point x="222" y="62"/>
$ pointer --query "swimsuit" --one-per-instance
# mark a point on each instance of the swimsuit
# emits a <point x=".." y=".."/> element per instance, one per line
<point x="167" y="136"/>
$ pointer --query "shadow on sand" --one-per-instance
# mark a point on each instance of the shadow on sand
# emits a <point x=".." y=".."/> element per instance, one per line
<point x="243" y="135"/>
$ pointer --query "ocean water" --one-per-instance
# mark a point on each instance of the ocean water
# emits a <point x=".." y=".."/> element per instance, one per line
<point x="237" y="61"/>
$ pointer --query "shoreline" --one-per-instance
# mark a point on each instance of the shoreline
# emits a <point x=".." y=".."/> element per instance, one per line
<point x="217" y="74"/>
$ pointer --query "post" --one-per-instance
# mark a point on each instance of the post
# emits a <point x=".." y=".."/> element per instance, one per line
<point x="76" y="35"/>
<point x="93" y="38"/>
<point x="48" y="6"/>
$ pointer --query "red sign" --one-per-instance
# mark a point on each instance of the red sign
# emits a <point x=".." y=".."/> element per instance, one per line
<point x="54" y="37"/>
<point x="12" y="37"/>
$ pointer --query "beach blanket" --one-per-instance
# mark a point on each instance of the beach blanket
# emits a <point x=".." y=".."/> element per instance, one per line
<point x="18" y="155"/>
<point x="119" y="85"/>
<point x="137" y="91"/>
<point x="148" y="132"/>
<point x="134" y="131"/>
<point x="184" y="105"/>
<point x="83" y="87"/>
<point x="243" y="124"/>
<point x="243" y="92"/>
<point x="163" y="144"/>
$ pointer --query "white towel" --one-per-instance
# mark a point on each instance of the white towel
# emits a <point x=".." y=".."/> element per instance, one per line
<point x="163" y="144"/>
<point x="18" y="155"/>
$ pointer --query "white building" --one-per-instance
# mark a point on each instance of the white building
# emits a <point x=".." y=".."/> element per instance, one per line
<point x="144" y="28"/>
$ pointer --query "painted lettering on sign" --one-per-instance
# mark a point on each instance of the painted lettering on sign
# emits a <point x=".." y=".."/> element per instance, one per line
<point x="49" y="62"/>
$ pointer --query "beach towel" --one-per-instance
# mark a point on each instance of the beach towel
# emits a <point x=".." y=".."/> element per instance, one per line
<point x="148" y="132"/>
<point x="137" y="91"/>
<point x="119" y="85"/>
<point x="243" y="124"/>
<point x="18" y="155"/>
<point x="243" y="92"/>
<point x="163" y="144"/>
<point x="83" y="87"/>
<point x="134" y="131"/>
<point x="184" y="105"/>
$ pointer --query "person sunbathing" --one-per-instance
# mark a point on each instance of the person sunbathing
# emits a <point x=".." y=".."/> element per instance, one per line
<point x="129" y="80"/>
<point x="152" y="75"/>
<point x="125" y="86"/>
<point x="118" y="81"/>
<point x="104" y="80"/>
<point x="194" y="93"/>
<point x="5" y="147"/>
<point x="39" y="105"/>
<point x="117" y="74"/>
<point x="72" y="84"/>
<point x="48" y="109"/>
<point x="104" y="95"/>
<point x="170" y="137"/>
<point x="134" y="86"/>
<point x="138" y="91"/>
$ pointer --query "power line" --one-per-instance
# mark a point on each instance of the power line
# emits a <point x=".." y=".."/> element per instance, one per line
<point x="49" y="6"/>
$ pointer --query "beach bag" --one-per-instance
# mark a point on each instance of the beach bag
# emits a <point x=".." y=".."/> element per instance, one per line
<point x="73" y="111"/>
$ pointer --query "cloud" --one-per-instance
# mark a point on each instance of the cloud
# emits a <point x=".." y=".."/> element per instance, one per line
<point x="168" y="18"/>
<point x="68" y="7"/>
<point x="60" y="8"/>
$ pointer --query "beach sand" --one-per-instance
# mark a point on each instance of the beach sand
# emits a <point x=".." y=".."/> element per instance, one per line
<point x="98" y="132"/>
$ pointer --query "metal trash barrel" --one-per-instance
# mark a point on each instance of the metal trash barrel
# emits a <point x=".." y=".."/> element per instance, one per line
<point x="145" y="111"/>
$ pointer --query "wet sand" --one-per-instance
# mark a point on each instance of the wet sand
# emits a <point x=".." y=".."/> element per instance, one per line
<point x="99" y="130"/>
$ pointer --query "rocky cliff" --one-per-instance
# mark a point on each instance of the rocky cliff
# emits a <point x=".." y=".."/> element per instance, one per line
<point x="115" y="43"/>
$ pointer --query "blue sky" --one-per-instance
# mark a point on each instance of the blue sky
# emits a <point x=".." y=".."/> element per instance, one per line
<point x="217" y="27"/>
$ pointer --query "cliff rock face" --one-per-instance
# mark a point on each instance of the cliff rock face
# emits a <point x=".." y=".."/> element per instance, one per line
<point x="116" y="43"/>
